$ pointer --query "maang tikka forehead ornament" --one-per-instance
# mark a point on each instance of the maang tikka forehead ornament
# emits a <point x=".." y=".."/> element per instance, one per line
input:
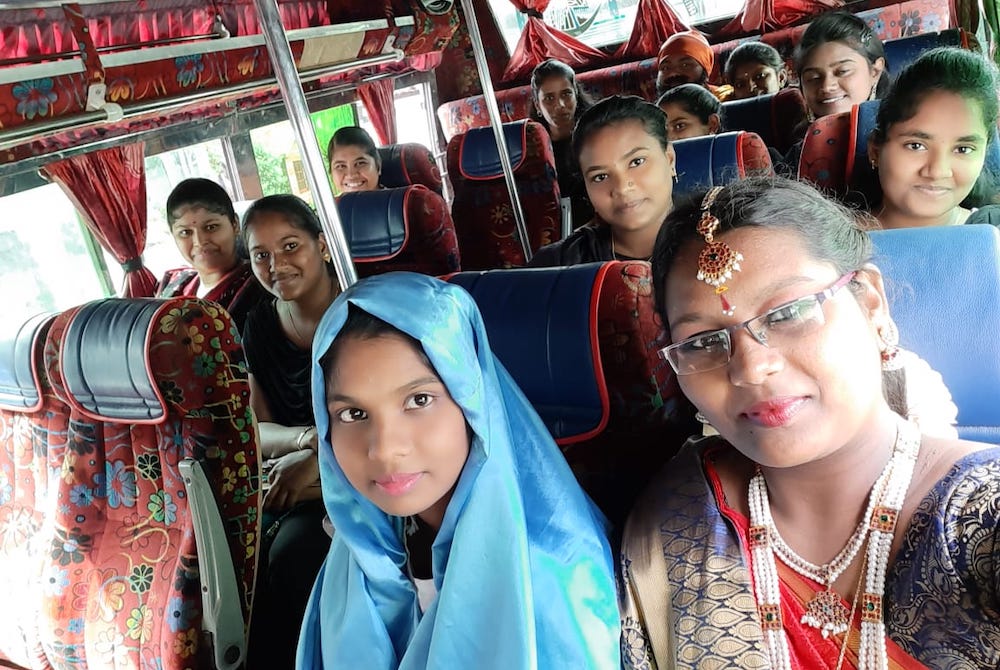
<point x="717" y="261"/>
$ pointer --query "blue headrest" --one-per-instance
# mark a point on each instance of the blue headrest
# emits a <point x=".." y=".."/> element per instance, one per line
<point x="393" y="173"/>
<point x="374" y="222"/>
<point x="707" y="161"/>
<point x="944" y="292"/>
<point x="902" y="51"/>
<point x="863" y="123"/>
<point x="542" y="325"/>
<point x="20" y="347"/>
<point x="105" y="361"/>
<point x="479" y="158"/>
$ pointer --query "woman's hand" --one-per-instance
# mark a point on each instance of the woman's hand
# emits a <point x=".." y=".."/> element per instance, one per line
<point x="292" y="478"/>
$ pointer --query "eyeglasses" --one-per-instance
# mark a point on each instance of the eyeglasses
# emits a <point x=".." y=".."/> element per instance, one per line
<point x="776" y="328"/>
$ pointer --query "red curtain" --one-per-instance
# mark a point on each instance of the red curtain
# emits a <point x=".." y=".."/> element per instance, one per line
<point x="377" y="97"/>
<point x="655" y="21"/>
<point x="762" y="16"/>
<point x="109" y="188"/>
<point x="539" y="41"/>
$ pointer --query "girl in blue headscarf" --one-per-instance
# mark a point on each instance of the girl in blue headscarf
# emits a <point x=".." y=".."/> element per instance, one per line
<point x="462" y="539"/>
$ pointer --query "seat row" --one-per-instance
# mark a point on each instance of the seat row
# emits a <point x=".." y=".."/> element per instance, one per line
<point x="106" y="409"/>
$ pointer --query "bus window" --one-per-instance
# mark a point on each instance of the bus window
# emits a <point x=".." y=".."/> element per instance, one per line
<point x="411" y="117"/>
<point x="46" y="254"/>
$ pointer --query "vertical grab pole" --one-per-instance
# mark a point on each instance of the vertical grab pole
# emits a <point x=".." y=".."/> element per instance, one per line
<point x="489" y="97"/>
<point x="298" y="113"/>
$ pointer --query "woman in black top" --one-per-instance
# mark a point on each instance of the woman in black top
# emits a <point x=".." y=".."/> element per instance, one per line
<point x="291" y="260"/>
<point x="558" y="103"/>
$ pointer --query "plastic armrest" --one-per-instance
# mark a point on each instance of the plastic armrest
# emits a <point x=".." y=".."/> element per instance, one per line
<point x="220" y="595"/>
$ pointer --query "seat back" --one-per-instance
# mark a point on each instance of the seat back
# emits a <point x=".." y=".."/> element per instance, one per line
<point x="30" y="418"/>
<point x="899" y="53"/>
<point x="774" y="117"/>
<point x="835" y="152"/>
<point x="149" y="383"/>
<point x="406" y="228"/>
<point x="716" y="160"/>
<point x="581" y="342"/>
<point x="484" y="220"/>
<point x="409" y="163"/>
<point x="943" y="285"/>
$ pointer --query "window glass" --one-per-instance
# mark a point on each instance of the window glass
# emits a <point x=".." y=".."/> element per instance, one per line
<point x="45" y="262"/>
<point x="603" y="22"/>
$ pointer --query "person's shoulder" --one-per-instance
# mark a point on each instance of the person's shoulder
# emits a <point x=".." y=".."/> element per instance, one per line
<point x="990" y="214"/>
<point x="174" y="281"/>
<point x="580" y="247"/>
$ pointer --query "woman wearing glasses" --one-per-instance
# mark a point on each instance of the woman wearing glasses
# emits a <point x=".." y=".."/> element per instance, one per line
<point x="820" y="529"/>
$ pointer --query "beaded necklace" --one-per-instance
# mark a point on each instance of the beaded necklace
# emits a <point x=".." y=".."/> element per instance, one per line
<point x="826" y="611"/>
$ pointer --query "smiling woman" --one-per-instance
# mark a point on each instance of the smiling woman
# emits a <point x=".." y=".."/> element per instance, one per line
<point x="354" y="161"/>
<point x="290" y="258"/>
<point x="929" y="145"/>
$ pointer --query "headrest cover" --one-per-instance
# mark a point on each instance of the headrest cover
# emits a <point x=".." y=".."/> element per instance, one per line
<point x="479" y="158"/>
<point x="704" y="162"/>
<point x="901" y="52"/>
<point x="943" y="285"/>
<point x="393" y="173"/>
<point x="542" y="325"/>
<point x="374" y="222"/>
<point x="20" y="348"/>
<point x="104" y="361"/>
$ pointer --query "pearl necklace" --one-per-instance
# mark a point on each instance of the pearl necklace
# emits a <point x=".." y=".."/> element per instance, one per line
<point x="878" y="525"/>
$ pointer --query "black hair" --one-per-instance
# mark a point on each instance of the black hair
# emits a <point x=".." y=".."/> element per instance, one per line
<point x="753" y="52"/>
<point x="363" y="326"/>
<point x="829" y="231"/>
<point x="953" y="70"/>
<point x="295" y="209"/>
<point x="847" y="29"/>
<point x="694" y="99"/>
<point x="616" y="109"/>
<point x="199" y="193"/>
<point x="353" y="136"/>
<point x="556" y="68"/>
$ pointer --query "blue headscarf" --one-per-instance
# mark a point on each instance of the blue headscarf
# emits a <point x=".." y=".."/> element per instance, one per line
<point x="521" y="562"/>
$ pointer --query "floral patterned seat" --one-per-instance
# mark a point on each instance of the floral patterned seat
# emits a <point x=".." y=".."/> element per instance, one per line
<point x="482" y="211"/>
<point x="32" y="420"/>
<point x="582" y="344"/>
<point x="716" y="160"/>
<point x="149" y="383"/>
<point x="406" y="228"/>
<point x="407" y="164"/>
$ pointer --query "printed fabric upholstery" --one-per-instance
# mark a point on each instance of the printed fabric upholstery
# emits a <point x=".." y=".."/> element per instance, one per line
<point x="407" y="164"/>
<point x="716" y="160"/>
<point x="27" y="433"/>
<point x="405" y="229"/>
<point x="826" y="151"/>
<point x="773" y="117"/>
<point x="122" y="572"/>
<point x="913" y="17"/>
<point x="484" y="220"/>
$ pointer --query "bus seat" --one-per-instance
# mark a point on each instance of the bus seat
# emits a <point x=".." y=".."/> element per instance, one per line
<point x="149" y="384"/>
<point x="30" y="418"/>
<point x="581" y="343"/>
<point x="900" y="52"/>
<point x="943" y="285"/>
<point x="835" y="152"/>
<point x="773" y="117"/>
<point x="483" y="217"/>
<point x="399" y="229"/>
<point x="407" y="164"/>
<point x="716" y="160"/>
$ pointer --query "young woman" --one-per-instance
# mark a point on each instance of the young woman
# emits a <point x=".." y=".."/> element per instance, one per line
<point x="354" y="161"/>
<point x="463" y="539"/>
<point x="692" y="111"/>
<point x="929" y="144"/>
<point x="558" y="103"/>
<point x="627" y="164"/>
<point x="840" y="63"/>
<point x="290" y="259"/>
<point x="820" y="529"/>
<point x="204" y="227"/>
<point x="755" y="68"/>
